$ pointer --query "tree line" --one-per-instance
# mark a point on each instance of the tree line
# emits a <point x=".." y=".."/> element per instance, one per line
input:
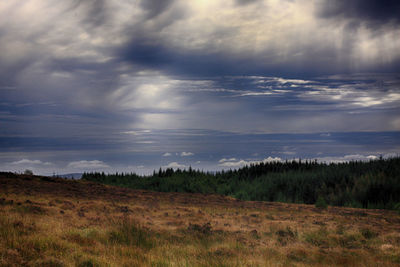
<point x="372" y="184"/>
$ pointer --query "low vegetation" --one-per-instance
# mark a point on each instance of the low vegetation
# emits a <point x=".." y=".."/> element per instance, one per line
<point x="56" y="222"/>
<point x="373" y="184"/>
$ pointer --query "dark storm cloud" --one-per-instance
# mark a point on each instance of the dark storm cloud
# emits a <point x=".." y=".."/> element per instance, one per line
<point x="155" y="54"/>
<point x="149" y="48"/>
<point x="153" y="51"/>
<point x="374" y="13"/>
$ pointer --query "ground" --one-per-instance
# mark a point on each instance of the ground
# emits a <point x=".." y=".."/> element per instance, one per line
<point x="57" y="222"/>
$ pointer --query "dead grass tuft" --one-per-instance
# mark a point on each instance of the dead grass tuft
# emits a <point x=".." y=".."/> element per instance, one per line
<point x="131" y="233"/>
<point x="203" y="229"/>
<point x="286" y="235"/>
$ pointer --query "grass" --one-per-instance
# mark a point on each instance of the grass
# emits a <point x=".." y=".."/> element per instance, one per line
<point x="137" y="228"/>
<point x="130" y="233"/>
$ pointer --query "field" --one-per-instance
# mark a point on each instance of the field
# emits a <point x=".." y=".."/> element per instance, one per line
<point x="55" y="222"/>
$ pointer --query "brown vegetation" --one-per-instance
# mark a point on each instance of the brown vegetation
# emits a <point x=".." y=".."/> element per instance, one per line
<point x="55" y="222"/>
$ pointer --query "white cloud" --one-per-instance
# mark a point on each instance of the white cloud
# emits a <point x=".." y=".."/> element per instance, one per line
<point x="137" y="132"/>
<point x="135" y="167"/>
<point x="186" y="154"/>
<point x="145" y="142"/>
<point x="358" y="94"/>
<point x="360" y="157"/>
<point x="175" y="165"/>
<point x="225" y="160"/>
<point x="31" y="162"/>
<point x="234" y="163"/>
<point x="298" y="81"/>
<point x="148" y="90"/>
<point x="257" y="93"/>
<point x="167" y="154"/>
<point x="289" y="152"/>
<point x="87" y="164"/>
<point x="325" y="135"/>
<point x="271" y="159"/>
<point x="347" y="158"/>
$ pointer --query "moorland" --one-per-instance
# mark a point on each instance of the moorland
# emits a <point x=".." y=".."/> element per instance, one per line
<point x="47" y="221"/>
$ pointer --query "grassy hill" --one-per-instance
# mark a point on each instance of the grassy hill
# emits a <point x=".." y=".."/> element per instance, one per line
<point x="57" y="222"/>
<point x="358" y="184"/>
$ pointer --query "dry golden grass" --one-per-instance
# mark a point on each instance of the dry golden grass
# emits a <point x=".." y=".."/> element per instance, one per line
<point x="54" y="222"/>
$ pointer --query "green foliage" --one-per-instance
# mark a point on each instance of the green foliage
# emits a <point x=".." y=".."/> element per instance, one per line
<point x="397" y="207"/>
<point x="28" y="172"/>
<point x="321" y="203"/>
<point x="372" y="184"/>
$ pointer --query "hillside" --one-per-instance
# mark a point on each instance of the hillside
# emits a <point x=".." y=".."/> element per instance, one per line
<point x="58" y="222"/>
<point x="357" y="184"/>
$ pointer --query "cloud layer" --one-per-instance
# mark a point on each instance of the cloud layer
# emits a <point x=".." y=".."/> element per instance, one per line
<point x="130" y="80"/>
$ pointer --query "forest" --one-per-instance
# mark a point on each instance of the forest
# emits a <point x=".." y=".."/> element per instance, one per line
<point x="360" y="184"/>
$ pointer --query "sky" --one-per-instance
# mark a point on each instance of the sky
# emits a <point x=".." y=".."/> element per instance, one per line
<point x="132" y="86"/>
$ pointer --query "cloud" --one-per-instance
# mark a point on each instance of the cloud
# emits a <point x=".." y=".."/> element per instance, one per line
<point x="234" y="163"/>
<point x="138" y="132"/>
<point x="358" y="93"/>
<point x="175" y="165"/>
<point x="186" y="154"/>
<point x="373" y="12"/>
<point x="87" y="77"/>
<point x="347" y="158"/>
<point x="325" y="134"/>
<point x="167" y="154"/>
<point x="88" y="164"/>
<point x="245" y="2"/>
<point x="236" y="43"/>
<point x="155" y="7"/>
<point x="226" y="160"/>
<point x="31" y="162"/>
<point x="289" y="153"/>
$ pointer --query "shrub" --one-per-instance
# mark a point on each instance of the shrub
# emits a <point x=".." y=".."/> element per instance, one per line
<point x="28" y="172"/>
<point x="396" y="207"/>
<point x="321" y="203"/>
